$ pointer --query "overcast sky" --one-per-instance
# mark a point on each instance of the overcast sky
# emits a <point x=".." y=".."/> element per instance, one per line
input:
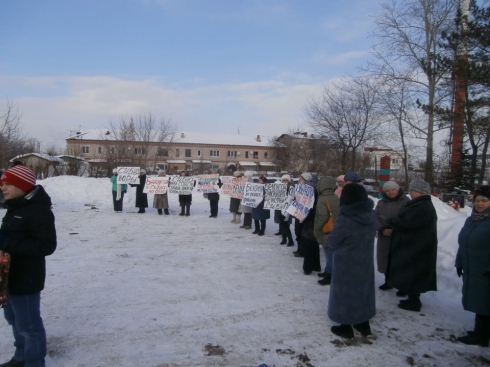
<point x="208" y="65"/>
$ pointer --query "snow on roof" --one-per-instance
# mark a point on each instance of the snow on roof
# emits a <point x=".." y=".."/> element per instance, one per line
<point x="193" y="137"/>
<point x="200" y="161"/>
<point x="175" y="161"/>
<point x="40" y="155"/>
<point x="267" y="164"/>
<point x="97" y="160"/>
<point x="70" y="156"/>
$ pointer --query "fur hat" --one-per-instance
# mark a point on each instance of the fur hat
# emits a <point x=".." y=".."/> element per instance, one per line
<point x="351" y="177"/>
<point x="248" y="173"/>
<point x="390" y="185"/>
<point x="306" y="176"/>
<point x="482" y="191"/>
<point x="353" y="194"/>
<point x="238" y="173"/>
<point x="263" y="178"/>
<point x="286" y="177"/>
<point x="21" y="177"/>
<point x="420" y="186"/>
<point x="143" y="171"/>
<point x="161" y="171"/>
<point x="114" y="170"/>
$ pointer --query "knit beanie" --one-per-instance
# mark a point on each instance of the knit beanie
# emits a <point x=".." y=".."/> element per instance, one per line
<point x="306" y="176"/>
<point x="114" y="170"/>
<point x="21" y="177"/>
<point x="286" y="177"/>
<point x="482" y="191"/>
<point x="420" y="186"/>
<point x="390" y="185"/>
<point x="351" y="177"/>
<point x="340" y="178"/>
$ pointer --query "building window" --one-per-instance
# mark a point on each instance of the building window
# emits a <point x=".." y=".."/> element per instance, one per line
<point x="256" y="155"/>
<point x="85" y="150"/>
<point x="199" y="153"/>
<point x="162" y="152"/>
<point x="232" y="153"/>
<point x="266" y="155"/>
<point x="214" y="153"/>
<point x="188" y="153"/>
<point x="112" y="150"/>
<point x="162" y="166"/>
<point x="99" y="150"/>
<point x="246" y="154"/>
<point x="139" y="151"/>
<point x="177" y="152"/>
<point x="188" y="167"/>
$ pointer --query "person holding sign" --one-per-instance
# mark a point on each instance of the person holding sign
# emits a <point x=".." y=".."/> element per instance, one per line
<point x="141" y="197"/>
<point x="160" y="201"/>
<point x="185" y="200"/>
<point x="213" y="198"/>
<point x="118" y="191"/>
<point x="259" y="214"/>
<point x="285" y="224"/>
<point x="247" y="210"/>
<point x="235" y="204"/>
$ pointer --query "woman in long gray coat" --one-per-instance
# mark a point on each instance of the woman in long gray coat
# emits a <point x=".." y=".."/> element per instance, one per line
<point x="394" y="199"/>
<point x="473" y="264"/>
<point x="160" y="201"/>
<point x="352" y="294"/>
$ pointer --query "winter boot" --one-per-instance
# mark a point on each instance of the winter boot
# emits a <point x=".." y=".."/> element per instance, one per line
<point x="238" y="218"/>
<point x="344" y="331"/>
<point x="262" y="227"/>
<point x="182" y="211"/>
<point x="234" y="218"/>
<point x="363" y="328"/>
<point x="13" y="363"/>
<point x="480" y="335"/>
<point x="385" y="286"/>
<point x="411" y="304"/>
<point x="166" y="211"/>
<point x="159" y="211"/>
<point x="401" y="294"/>
<point x="187" y="210"/>
<point x="326" y="279"/>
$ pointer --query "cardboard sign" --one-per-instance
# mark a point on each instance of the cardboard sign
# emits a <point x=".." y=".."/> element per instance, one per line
<point x="275" y="195"/>
<point x="227" y="185"/>
<point x="156" y="185"/>
<point x="207" y="183"/>
<point x="304" y="199"/>
<point x="182" y="185"/>
<point x="238" y="187"/>
<point x="128" y="175"/>
<point x="253" y="194"/>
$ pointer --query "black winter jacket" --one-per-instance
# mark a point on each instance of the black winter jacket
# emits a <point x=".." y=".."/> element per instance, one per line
<point x="30" y="235"/>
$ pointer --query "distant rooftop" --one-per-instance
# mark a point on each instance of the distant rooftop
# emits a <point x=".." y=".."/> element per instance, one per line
<point x="188" y="137"/>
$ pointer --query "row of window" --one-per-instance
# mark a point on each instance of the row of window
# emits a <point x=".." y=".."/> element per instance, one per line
<point x="187" y="152"/>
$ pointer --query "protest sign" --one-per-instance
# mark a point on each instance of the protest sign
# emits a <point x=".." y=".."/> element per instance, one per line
<point x="128" y="175"/>
<point x="207" y="183"/>
<point x="253" y="194"/>
<point x="304" y="199"/>
<point x="238" y="187"/>
<point x="275" y="195"/>
<point x="182" y="185"/>
<point x="156" y="185"/>
<point x="227" y="185"/>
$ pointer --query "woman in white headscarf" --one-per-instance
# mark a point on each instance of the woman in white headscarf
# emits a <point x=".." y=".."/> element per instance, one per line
<point x="118" y="191"/>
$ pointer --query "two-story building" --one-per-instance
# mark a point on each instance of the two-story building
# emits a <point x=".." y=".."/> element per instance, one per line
<point x="190" y="151"/>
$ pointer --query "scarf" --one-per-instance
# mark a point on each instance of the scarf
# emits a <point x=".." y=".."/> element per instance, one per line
<point x="479" y="216"/>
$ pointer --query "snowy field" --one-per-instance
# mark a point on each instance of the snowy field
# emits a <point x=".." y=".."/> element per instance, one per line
<point x="145" y="290"/>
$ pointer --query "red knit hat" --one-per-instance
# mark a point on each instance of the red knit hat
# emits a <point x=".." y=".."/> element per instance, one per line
<point x="21" y="177"/>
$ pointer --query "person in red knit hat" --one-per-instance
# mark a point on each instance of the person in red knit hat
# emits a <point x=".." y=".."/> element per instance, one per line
<point x="28" y="235"/>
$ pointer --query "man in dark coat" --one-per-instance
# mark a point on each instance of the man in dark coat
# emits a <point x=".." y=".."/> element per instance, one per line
<point x="413" y="253"/>
<point x="27" y="234"/>
<point x="141" y="197"/>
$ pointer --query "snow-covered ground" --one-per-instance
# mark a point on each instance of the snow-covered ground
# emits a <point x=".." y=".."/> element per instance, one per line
<point x="151" y="291"/>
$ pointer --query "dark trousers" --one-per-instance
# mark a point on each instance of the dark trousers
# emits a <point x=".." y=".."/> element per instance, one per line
<point x="247" y="219"/>
<point x="482" y="326"/>
<point x="311" y="252"/>
<point x="285" y="230"/>
<point x="118" y="204"/>
<point x="23" y="313"/>
<point x="260" y="225"/>
<point x="213" y="204"/>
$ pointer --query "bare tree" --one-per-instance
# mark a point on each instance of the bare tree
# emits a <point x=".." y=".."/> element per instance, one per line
<point x="409" y="33"/>
<point x="11" y="137"/>
<point x="348" y="116"/>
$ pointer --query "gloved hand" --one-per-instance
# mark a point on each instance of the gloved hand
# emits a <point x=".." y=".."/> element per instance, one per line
<point x="459" y="271"/>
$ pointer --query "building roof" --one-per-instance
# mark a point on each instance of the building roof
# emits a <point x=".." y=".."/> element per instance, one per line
<point x="193" y="137"/>
<point x="245" y="163"/>
<point x="47" y="157"/>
